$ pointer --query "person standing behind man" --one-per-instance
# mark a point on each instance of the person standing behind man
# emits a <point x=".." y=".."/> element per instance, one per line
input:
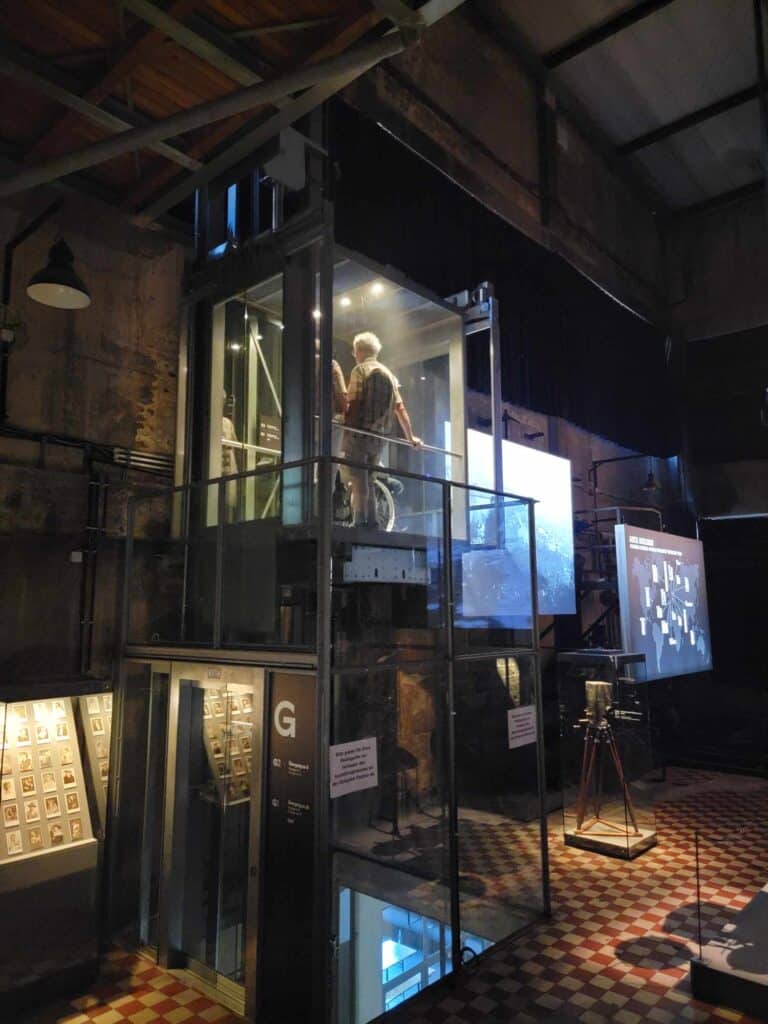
<point x="373" y="403"/>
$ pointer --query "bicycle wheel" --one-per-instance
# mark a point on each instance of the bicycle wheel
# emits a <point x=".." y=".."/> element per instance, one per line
<point x="385" y="506"/>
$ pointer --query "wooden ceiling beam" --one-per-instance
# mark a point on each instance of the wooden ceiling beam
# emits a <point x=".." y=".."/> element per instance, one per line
<point x="140" y="47"/>
<point x="24" y="70"/>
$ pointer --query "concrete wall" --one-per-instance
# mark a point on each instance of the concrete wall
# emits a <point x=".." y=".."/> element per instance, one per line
<point x="108" y="375"/>
<point x="469" y="105"/>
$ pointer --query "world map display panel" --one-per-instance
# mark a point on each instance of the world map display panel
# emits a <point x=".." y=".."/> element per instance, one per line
<point x="663" y="601"/>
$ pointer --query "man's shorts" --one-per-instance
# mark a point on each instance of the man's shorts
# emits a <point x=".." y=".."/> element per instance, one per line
<point x="359" y="448"/>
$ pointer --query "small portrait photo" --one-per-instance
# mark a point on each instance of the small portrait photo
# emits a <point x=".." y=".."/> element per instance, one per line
<point x="62" y="730"/>
<point x="97" y="726"/>
<point x="7" y="760"/>
<point x="217" y="707"/>
<point x="68" y="778"/>
<point x="237" y="766"/>
<point x="246" y="702"/>
<point x="73" y="802"/>
<point x="45" y="758"/>
<point x="23" y="736"/>
<point x="59" y="709"/>
<point x="13" y="843"/>
<point x="107" y="702"/>
<point x="206" y="709"/>
<point x="234" y="704"/>
<point x="8" y="790"/>
<point x="234" y="747"/>
<point x="216" y="748"/>
<point x="245" y="744"/>
<point x="41" y="732"/>
<point x="48" y="780"/>
<point x="76" y="829"/>
<point x="92" y="703"/>
<point x="101" y="749"/>
<point x="10" y="815"/>
<point x="66" y="756"/>
<point x="28" y="785"/>
<point x="223" y="770"/>
<point x="52" y="808"/>
<point x="247" y="765"/>
<point x="31" y="811"/>
<point x="40" y="711"/>
<point x="56" y="832"/>
<point x="103" y="770"/>
<point x="245" y="789"/>
<point x="19" y="711"/>
<point x="35" y="838"/>
<point x="24" y="761"/>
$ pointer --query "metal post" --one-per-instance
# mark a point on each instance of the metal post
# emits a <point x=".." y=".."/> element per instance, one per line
<point x="698" y="888"/>
<point x="494" y="342"/>
<point x="541" y="763"/>
<point x="453" y="812"/>
<point x="219" y="579"/>
<point x="757" y="11"/>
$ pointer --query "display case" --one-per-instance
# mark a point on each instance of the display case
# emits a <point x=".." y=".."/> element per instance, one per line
<point x="606" y="752"/>
<point x="54" y="773"/>
<point x="731" y="917"/>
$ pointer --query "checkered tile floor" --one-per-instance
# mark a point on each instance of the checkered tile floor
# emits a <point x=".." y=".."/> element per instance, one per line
<point x="618" y="944"/>
<point x="131" y="989"/>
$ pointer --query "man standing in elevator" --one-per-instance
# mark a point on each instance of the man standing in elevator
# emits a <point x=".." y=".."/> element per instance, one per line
<point x="373" y="403"/>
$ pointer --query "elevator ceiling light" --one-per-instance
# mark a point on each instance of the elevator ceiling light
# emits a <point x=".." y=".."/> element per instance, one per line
<point x="57" y="284"/>
<point x="345" y="302"/>
<point x="377" y="288"/>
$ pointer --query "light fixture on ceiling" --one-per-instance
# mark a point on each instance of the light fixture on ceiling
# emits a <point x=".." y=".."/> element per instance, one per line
<point x="345" y="302"/>
<point x="57" y="284"/>
<point x="377" y="289"/>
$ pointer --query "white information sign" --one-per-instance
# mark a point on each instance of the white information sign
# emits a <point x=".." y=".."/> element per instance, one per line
<point x="354" y="766"/>
<point x="521" y="726"/>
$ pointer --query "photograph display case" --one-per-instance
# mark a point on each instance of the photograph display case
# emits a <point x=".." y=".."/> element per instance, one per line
<point x="54" y="769"/>
<point x="228" y="731"/>
<point x="44" y="803"/>
<point x="606" y="756"/>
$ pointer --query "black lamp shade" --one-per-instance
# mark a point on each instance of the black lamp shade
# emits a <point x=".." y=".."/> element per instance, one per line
<point x="57" y="284"/>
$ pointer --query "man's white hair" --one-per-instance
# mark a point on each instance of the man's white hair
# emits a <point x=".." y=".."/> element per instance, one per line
<point x="367" y="343"/>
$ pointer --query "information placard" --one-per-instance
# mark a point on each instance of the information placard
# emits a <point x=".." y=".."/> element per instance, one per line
<point x="521" y="726"/>
<point x="354" y="766"/>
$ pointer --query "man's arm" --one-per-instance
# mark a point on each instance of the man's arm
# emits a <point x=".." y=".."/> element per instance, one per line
<point x="405" y="423"/>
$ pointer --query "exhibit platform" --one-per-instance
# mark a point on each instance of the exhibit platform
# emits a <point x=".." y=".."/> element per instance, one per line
<point x="733" y="967"/>
<point x="612" y="845"/>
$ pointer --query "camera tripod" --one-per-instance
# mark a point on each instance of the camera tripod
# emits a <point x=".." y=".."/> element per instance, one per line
<point x="599" y="745"/>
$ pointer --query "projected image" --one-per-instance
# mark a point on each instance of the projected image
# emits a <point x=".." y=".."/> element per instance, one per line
<point x="547" y="478"/>
<point x="663" y="599"/>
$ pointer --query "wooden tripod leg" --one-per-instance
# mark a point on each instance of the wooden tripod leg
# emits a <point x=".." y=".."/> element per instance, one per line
<point x="600" y="776"/>
<point x="587" y="767"/>
<point x="620" y="772"/>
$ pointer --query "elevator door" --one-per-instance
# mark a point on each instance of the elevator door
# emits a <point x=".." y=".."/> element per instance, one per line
<point x="215" y="776"/>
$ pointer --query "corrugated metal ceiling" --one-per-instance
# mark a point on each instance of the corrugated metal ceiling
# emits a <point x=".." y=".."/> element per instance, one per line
<point x="683" y="57"/>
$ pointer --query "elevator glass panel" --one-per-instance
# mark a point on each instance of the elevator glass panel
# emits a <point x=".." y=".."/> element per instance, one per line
<point x="247" y="391"/>
<point x="214" y="780"/>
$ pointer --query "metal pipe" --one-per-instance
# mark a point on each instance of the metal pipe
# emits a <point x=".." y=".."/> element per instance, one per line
<point x="204" y="114"/>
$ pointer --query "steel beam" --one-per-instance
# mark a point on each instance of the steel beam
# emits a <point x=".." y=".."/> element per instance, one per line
<point x="695" y="117"/>
<point x="601" y="33"/>
<point x="280" y="27"/>
<point x="233" y="67"/>
<point x="103" y="118"/>
<point x="355" y="60"/>
<point x="754" y="188"/>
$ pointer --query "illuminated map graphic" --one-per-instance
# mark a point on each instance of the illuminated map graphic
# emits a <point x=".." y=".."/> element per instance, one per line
<point x="663" y="598"/>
